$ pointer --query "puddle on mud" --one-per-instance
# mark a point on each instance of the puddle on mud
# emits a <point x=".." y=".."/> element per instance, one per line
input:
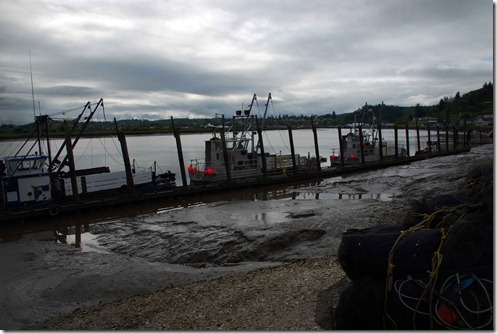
<point x="383" y="197"/>
<point x="88" y="243"/>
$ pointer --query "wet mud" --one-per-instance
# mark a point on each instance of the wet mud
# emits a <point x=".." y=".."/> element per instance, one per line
<point x="55" y="271"/>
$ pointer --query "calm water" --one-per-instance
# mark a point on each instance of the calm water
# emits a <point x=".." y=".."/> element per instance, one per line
<point x="97" y="152"/>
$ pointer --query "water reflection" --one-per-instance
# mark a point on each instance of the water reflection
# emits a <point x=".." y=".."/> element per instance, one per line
<point x="65" y="234"/>
<point x="77" y="230"/>
<point x="384" y="197"/>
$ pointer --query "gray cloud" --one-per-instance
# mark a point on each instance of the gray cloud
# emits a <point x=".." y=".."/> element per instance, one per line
<point x="174" y="58"/>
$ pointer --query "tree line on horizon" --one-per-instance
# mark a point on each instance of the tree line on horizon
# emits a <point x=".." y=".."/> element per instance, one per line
<point x="449" y="111"/>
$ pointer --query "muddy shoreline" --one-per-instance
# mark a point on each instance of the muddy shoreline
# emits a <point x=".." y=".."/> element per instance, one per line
<point x="195" y="247"/>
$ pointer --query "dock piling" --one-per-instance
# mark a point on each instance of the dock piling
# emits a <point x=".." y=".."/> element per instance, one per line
<point x="316" y="146"/>
<point x="396" y="140"/>
<point x="378" y="122"/>
<point x="225" y="152"/>
<point x="407" y="141"/>
<point x="180" y="153"/>
<point x="454" y="136"/>
<point x="261" y="145"/>
<point x="361" y="142"/>
<point x="72" y="166"/>
<point x="340" y="142"/>
<point x="438" y="139"/>
<point x="127" y="166"/>
<point x="292" y="150"/>
<point x="447" y="138"/>
<point x="417" y="135"/>
<point x="429" y="135"/>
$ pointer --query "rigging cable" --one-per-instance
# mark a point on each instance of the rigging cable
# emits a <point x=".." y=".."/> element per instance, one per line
<point x="279" y="131"/>
<point x="110" y="155"/>
<point x="82" y="154"/>
<point x="5" y="150"/>
<point x="264" y="132"/>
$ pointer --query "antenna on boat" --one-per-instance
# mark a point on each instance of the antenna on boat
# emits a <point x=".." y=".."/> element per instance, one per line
<point x="32" y="87"/>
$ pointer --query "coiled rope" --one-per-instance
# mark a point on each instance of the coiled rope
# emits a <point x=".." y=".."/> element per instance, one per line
<point x="436" y="260"/>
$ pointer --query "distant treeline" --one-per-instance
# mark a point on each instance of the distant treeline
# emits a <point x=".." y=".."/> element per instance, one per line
<point x="449" y="111"/>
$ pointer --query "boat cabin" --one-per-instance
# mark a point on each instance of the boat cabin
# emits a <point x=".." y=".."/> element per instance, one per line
<point x="25" y="179"/>
<point x="24" y="165"/>
<point x="238" y="153"/>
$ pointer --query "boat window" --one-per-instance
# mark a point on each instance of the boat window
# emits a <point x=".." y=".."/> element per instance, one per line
<point x="243" y="144"/>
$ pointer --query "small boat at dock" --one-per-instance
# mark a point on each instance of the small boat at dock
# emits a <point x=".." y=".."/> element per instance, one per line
<point x="360" y="145"/>
<point x="237" y="153"/>
<point x="40" y="180"/>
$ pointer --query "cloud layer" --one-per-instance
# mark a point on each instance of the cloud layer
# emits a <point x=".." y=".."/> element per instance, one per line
<point x="156" y="59"/>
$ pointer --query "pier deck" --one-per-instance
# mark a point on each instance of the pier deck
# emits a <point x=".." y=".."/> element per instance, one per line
<point x="114" y="199"/>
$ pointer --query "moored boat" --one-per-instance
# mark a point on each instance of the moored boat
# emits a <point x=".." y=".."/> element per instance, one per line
<point x="236" y="155"/>
<point x="36" y="180"/>
<point x="360" y="145"/>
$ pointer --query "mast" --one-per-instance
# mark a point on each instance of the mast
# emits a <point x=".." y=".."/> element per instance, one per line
<point x="78" y="136"/>
<point x="265" y="110"/>
<point x="32" y="86"/>
<point x="259" y="142"/>
<point x="34" y="108"/>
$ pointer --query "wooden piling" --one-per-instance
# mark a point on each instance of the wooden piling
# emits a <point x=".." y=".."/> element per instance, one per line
<point x="261" y="145"/>
<point x="407" y="141"/>
<point x="316" y="146"/>
<point x="438" y="139"/>
<point x="78" y="235"/>
<point x="378" y="124"/>
<point x="361" y="142"/>
<point x="447" y="138"/>
<point x="292" y="150"/>
<point x="396" y="140"/>
<point x="454" y="136"/>
<point x="180" y="153"/>
<point x="429" y="135"/>
<point x="72" y="166"/>
<point x="417" y="136"/>
<point x="84" y="188"/>
<point x="342" y="159"/>
<point x="225" y="152"/>
<point x="127" y="165"/>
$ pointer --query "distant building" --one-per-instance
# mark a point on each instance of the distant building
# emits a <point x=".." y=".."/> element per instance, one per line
<point x="484" y="120"/>
<point x="430" y="120"/>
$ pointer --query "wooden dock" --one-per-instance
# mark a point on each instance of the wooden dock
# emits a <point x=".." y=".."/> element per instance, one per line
<point x="113" y="199"/>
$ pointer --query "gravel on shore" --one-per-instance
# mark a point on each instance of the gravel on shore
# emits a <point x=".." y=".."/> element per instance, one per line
<point x="281" y="297"/>
<point x="274" y="298"/>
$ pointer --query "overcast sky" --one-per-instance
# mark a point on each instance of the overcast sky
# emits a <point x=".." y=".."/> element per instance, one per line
<point x="157" y="59"/>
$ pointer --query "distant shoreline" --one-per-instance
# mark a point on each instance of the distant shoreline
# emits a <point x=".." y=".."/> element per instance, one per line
<point x="12" y="136"/>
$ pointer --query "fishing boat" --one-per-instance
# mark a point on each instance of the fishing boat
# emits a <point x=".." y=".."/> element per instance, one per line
<point x="238" y="153"/>
<point x="360" y="143"/>
<point x="34" y="180"/>
<point x="431" y="146"/>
